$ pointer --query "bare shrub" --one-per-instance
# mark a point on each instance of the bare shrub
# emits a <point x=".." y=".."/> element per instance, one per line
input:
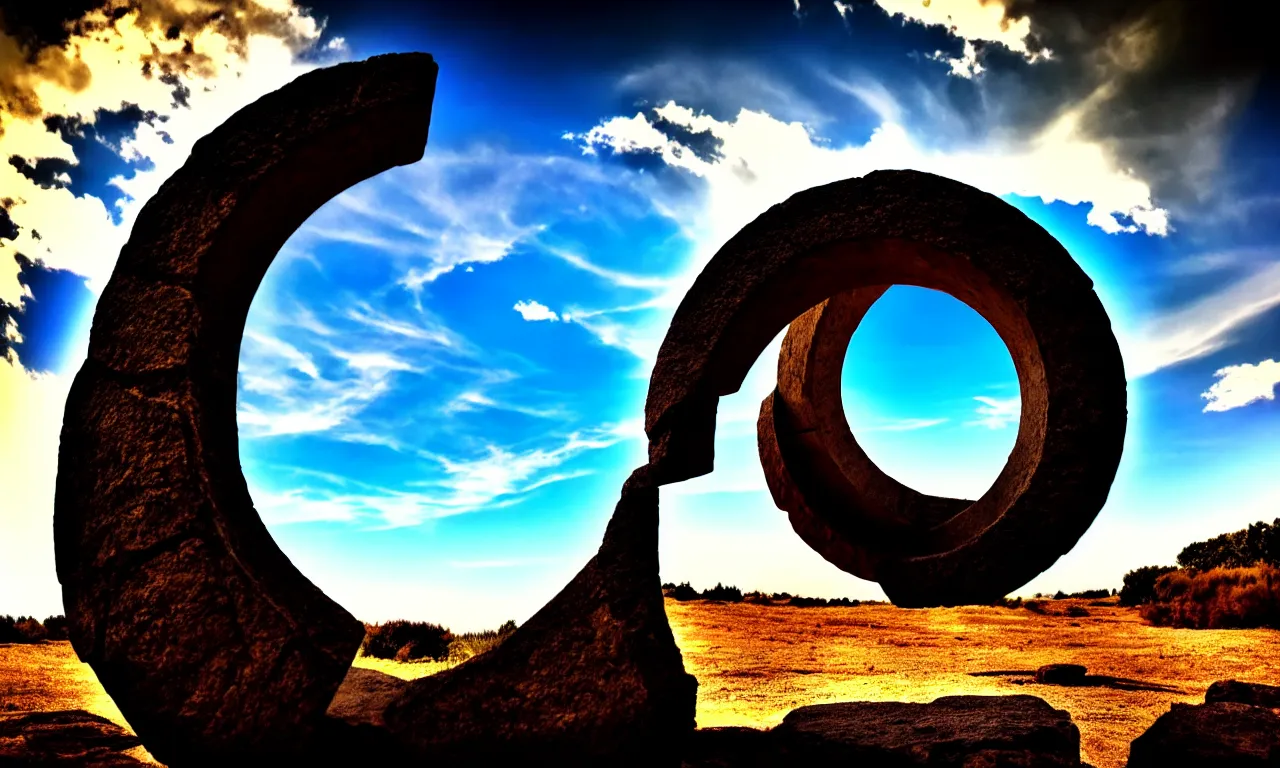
<point x="1220" y="598"/>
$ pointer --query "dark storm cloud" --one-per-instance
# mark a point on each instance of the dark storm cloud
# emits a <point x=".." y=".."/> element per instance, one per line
<point x="34" y="37"/>
<point x="704" y="144"/>
<point x="45" y="172"/>
<point x="36" y="24"/>
<point x="1159" y="81"/>
<point x="97" y="147"/>
<point x="181" y="93"/>
<point x="42" y="320"/>
<point x="8" y="230"/>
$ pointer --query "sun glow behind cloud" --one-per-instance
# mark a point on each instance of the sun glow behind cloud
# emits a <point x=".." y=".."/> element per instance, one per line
<point x="217" y="68"/>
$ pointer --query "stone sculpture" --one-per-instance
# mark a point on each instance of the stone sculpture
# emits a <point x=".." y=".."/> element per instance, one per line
<point x="205" y="635"/>
<point x="216" y="648"/>
<point x="866" y="234"/>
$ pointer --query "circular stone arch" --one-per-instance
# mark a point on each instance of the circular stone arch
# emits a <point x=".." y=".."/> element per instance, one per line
<point x="817" y="262"/>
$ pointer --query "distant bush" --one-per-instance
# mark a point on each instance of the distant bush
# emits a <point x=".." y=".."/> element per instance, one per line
<point x="1257" y="544"/>
<point x="1035" y="606"/>
<point x="721" y="592"/>
<point x="682" y="592"/>
<point x="1140" y="584"/>
<point x="1091" y="594"/>
<point x="1005" y="602"/>
<point x="1220" y="598"/>
<point x="406" y="641"/>
<point x="1077" y="611"/>
<point x="819" y="602"/>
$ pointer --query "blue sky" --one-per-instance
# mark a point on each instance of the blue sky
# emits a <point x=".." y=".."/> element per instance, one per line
<point x="443" y="374"/>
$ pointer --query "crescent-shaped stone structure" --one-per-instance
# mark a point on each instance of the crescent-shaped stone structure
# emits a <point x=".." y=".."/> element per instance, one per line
<point x="212" y="644"/>
<point x="821" y="259"/>
<point x="207" y="637"/>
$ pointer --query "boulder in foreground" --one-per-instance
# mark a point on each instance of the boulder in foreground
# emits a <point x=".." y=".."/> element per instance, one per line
<point x="1256" y="694"/>
<point x="67" y="737"/>
<point x="1222" y="734"/>
<point x="953" y="731"/>
<point x="364" y="695"/>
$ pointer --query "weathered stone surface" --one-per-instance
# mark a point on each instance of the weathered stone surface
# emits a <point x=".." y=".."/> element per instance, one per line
<point x="1256" y="694"/>
<point x="69" y="737"/>
<point x="1222" y="734"/>
<point x="959" y="731"/>
<point x="1061" y="674"/>
<point x="593" y="678"/>
<point x="860" y="235"/>
<point x="364" y="695"/>
<point x="208" y="639"/>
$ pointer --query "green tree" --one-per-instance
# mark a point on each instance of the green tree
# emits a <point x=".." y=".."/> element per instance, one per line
<point x="1140" y="584"/>
<point x="1259" y="543"/>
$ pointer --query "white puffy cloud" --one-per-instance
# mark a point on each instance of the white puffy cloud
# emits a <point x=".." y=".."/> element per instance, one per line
<point x="764" y="160"/>
<point x="1240" y="385"/>
<point x="533" y="311"/>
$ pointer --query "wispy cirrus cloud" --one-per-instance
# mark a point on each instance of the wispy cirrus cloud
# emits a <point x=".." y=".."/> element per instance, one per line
<point x="458" y="208"/>
<point x="616" y="277"/>
<point x="426" y="328"/>
<point x="996" y="412"/>
<point x="1202" y="326"/>
<point x="472" y="400"/>
<point x="497" y="478"/>
<point x="901" y="425"/>
<point x="275" y="401"/>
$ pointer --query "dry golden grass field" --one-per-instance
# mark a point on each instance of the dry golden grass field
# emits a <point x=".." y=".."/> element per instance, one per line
<point x="754" y="663"/>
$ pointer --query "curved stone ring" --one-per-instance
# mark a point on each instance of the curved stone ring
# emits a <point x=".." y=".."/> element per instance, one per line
<point x="212" y="644"/>
<point x="825" y="255"/>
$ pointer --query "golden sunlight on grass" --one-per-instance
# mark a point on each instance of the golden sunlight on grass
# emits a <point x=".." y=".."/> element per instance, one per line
<point x="49" y="676"/>
<point x="405" y="670"/>
<point x="755" y="663"/>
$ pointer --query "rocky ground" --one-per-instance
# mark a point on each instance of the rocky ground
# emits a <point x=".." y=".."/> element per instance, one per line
<point x="775" y="684"/>
<point x="756" y="663"/>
